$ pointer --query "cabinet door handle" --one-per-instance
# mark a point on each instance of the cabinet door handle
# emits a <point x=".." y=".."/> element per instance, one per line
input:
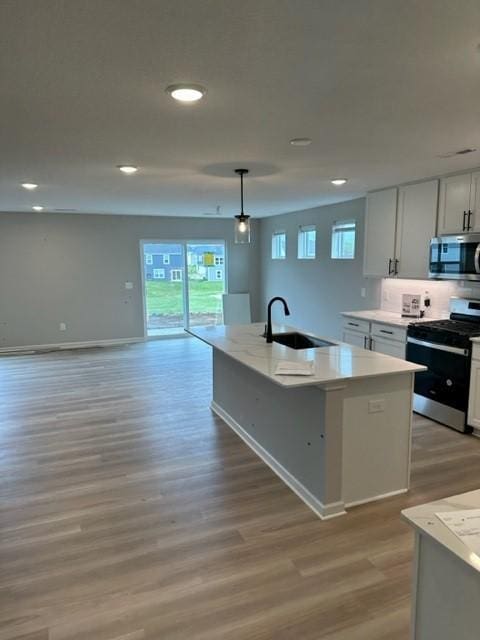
<point x="464" y="221"/>
<point x="385" y="331"/>
<point x="364" y="342"/>
<point x="353" y="324"/>
<point x="468" y="222"/>
<point x="371" y="344"/>
<point x="395" y="267"/>
<point x="390" y="267"/>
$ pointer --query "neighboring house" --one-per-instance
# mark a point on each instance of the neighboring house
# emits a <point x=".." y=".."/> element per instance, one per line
<point x="167" y="265"/>
<point x="205" y="262"/>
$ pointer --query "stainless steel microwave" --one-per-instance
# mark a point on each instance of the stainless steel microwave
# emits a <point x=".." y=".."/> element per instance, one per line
<point x="455" y="257"/>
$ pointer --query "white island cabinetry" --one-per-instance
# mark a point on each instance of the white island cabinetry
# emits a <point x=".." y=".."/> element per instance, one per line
<point x="338" y="437"/>
<point x="446" y="580"/>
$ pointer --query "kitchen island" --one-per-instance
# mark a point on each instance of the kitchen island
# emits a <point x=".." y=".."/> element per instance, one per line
<point x="446" y="580"/>
<point x="338" y="437"/>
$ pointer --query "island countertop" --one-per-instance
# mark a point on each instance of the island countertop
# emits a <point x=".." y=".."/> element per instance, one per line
<point x="423" y="519"/>
<point x="340" y="362"/>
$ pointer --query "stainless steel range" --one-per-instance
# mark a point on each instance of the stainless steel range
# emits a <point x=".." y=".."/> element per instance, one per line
<point x="444" y="346"/>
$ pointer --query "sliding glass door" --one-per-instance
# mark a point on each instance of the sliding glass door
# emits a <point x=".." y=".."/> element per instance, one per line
<point x="184" y="283"/>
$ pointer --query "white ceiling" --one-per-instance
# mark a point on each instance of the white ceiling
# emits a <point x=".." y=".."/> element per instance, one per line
<point x="381" y="86"/>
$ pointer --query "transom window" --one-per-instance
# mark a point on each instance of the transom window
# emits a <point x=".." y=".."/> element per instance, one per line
<point x="279" y="245"/>
<point x="343" y="240"/>
<point x="307" y="239"/>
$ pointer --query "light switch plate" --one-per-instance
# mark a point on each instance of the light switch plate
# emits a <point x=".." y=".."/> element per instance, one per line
<point x="128" y="285"/>
<point x="63" y="326"/>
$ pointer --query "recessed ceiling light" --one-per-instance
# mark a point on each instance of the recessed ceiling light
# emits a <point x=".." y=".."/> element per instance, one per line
<point x="186" y="92"/>
<point x="300" y="142"/>
<point x="37" y="207"/>
<point x="29" y="185"/>
<point x="338" y="181"/>
<point x="127" y="168"/>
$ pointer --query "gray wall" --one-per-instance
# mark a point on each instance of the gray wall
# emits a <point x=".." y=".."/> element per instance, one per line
<point x="72" y="268"/>
<point x="316" y="290"/>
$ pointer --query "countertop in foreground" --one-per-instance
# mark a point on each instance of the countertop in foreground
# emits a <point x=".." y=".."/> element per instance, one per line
<point x="245" y="344"/>
<point x="423" y="519"/>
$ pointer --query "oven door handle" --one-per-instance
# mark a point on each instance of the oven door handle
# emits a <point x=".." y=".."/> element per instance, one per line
<point x="440" y="347"/>
<point x="477" y="258"/>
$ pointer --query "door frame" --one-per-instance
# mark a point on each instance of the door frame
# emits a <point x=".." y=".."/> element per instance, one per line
<point x="186" y="306"/>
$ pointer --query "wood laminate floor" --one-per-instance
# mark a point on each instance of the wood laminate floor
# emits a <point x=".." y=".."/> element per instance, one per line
<point x="128" y="511"/>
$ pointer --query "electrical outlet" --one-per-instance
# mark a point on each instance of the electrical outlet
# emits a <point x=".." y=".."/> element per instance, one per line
<point x="376" y="406"/>
<point x="363" y="292"/>
<point x="128" y="285"/>
<point x="63" y="326"/>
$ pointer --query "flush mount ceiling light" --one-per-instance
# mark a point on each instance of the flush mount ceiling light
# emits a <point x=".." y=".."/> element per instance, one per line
<point x="30" y="186"/>
<point x="300" y="142"/>
<point x="129" y="169"/>
<point x="242" y="221"/>
<point x="338" y="181"/>
<point x="37" y="207"/>
<point x="186" y="92"/>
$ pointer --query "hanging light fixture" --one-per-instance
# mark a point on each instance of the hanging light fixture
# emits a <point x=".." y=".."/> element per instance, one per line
<point x="242" y="221"/>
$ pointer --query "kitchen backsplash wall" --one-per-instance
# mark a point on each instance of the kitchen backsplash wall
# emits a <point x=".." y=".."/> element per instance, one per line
<point x="440" y="293"/>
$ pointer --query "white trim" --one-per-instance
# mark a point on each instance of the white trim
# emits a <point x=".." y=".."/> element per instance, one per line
<point x="71" y="345"/>
<point x="323" y="511"/>
<point x="476" y="432"/>
<point x="170" y="336"/>
<point x="380" y="496"/>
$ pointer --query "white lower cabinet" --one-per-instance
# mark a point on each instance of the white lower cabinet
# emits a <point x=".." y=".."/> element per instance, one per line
<point x="388" y="347"/>
<point x="474" y="393"/>
<point x="375" y="336"/>
<point x="356" y="338"/>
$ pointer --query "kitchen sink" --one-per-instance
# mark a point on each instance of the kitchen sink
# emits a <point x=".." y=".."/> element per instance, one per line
<point x="296" y="340"/>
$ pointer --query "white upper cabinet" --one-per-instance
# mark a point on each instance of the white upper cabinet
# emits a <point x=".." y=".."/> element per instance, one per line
<point x="475" y="202"/>
<point x="380" y="232"/>
<point x="416" y="226"/>
<point x="459" y="199"/>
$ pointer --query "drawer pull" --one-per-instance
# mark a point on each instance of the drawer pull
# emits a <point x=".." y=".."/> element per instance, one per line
<point x="353" y="324"/>
<point x="385" y="331"/>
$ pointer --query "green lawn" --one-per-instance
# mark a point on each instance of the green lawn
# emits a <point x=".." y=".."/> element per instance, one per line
<point x="166" y="298"/>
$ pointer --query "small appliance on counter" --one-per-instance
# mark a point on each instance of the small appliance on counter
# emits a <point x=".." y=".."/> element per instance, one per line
<point x="444" y="346"/>
<point x="411" y="305"/>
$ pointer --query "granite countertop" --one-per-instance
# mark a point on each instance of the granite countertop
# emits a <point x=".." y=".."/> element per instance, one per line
<point x="423" y="519"/>
<point x="342" y="361"/>
<point x="385" y="317"/>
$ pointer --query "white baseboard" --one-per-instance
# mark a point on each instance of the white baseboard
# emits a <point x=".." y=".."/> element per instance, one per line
<point x="323" y="511"/>
<point x="60" y="346"/>
<point x="381" y="496"/>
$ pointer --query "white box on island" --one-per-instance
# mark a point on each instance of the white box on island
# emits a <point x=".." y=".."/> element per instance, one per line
<point x="339" y="437"/>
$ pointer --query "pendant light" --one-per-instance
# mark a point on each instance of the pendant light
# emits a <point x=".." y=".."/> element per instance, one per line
<point x="242" y="221"/>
